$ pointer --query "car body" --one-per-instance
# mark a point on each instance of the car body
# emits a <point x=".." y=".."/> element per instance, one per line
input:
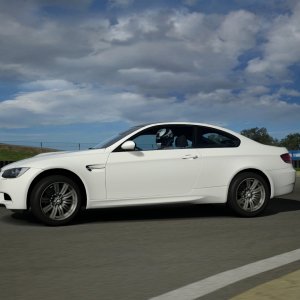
<point x="150" y="164"/>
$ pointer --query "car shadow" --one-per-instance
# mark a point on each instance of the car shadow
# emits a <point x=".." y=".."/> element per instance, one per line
<point x="280" y="205"/>
<point x="182" y="211"/>
<point x="132" y="213"/>
<point x="153" y="212"/>
<point x="158" y="212"/>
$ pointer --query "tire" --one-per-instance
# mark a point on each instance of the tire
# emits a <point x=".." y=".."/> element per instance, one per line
<point x="55" y="200"/>
<point x="248" y="195"/>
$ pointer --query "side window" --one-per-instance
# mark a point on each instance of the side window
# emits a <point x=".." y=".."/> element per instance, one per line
<point x="213" y="138"/>
<point x="165" y="137"/>
<point x="145" y="141"/>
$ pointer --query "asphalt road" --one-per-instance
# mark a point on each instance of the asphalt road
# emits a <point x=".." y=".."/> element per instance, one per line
<point x="139" y="253"/>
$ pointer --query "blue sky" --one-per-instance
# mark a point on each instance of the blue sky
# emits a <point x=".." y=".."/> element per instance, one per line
<point x="82" y="70"/>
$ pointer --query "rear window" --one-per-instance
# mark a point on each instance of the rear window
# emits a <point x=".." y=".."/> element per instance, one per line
<point x="213" y="138"/>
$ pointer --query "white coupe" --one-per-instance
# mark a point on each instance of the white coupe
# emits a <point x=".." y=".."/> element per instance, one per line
<point x="150" y="164"/>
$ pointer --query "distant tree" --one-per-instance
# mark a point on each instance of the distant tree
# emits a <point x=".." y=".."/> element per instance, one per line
<point x="291" y="141"/>
<point x="260" y="135"/>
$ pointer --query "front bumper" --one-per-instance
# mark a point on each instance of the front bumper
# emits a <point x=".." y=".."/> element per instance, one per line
<point x="17" y="189"/>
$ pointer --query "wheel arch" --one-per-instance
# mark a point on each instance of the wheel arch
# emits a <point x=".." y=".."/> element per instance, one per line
<point x="257" y="171"/>
<point x="58" y="171"/>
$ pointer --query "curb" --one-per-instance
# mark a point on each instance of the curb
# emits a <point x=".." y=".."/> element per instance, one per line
<point x="285" y="287"/>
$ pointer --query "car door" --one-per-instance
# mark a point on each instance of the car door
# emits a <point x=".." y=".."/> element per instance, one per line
<point x="154" y="170"/>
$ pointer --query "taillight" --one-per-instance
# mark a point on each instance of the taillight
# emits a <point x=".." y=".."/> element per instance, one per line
<point x="286" y="158"/>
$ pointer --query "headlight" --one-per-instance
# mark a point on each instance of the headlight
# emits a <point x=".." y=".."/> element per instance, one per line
<point x="14" y="173"/>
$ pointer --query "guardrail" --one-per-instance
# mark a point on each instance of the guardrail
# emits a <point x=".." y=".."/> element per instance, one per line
<point x="66" y="146"/>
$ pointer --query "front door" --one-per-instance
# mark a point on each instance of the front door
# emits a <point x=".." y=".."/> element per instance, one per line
<point x="158" y="167"/>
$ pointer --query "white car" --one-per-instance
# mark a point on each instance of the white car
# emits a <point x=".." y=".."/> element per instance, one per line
<point x="150" y="164"/>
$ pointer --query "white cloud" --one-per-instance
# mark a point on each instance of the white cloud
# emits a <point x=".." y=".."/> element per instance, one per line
<point x="282" y="47"/>
<point x="94" y="50"/>
<point x="120" y="3"/>
<point x="288" y="92"/>
<point x="189" y="26"/>
<point x="152" y="65"/>
<point x="50" y="84"/>
<point x="132" y="27"/>
<point x="237" y="33"/>
<point x="157" y="82"/>
<point x="176" y="45"/>
<point x="86" y="104"/>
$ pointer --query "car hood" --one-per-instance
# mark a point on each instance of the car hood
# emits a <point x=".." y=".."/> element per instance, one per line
<point x="40" y="159"/>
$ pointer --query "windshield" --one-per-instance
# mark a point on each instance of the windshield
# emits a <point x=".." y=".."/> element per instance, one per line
<point x="110" y="141"/>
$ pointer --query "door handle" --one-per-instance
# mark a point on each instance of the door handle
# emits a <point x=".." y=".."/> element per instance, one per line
<point x="189" y="156"/>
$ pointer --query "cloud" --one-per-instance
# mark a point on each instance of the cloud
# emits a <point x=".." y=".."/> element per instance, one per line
<point x="238" y="32"/>
<point x="174" y="46"/>
<point x="53" y="84"/>
<point x="289" y="92"/>
<point x="157" y="64"/>
<point x="281" y="48"/>
<point x="94" y="50"/>
<point x="120" y="3"/>
<point x="47" y="104"/>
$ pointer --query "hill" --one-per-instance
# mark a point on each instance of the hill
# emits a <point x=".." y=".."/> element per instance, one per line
<point x="17" y="152"/>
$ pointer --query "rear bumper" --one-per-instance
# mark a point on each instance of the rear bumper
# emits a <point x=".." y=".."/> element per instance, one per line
<point x="283" y="181"/>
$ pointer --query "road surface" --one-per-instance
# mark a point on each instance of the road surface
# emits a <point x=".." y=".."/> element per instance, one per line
<point x="142" y="252"/>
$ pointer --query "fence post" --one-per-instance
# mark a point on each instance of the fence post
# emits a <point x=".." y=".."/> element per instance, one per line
<point x="41" y="145"/>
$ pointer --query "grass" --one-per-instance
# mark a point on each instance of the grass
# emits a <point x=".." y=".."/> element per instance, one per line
<point x="297" y="169"/>
<point x="14" y="152"/>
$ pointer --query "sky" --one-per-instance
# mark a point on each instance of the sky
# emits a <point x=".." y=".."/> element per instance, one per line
<point x="83" y="70"/>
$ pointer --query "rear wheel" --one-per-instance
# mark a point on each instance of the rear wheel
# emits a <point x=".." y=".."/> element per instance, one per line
<point x="55" y="200"/>
<point x="249" y="194"/>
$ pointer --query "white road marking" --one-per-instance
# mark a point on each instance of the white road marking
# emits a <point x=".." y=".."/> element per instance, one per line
<point x="218" y="281"/>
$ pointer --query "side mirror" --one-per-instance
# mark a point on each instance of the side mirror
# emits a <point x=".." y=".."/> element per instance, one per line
<point x="128" y="145"/>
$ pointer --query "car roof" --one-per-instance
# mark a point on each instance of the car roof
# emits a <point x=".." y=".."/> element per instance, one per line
<point x="177" y="123"/>
<point x="186" y="123"/>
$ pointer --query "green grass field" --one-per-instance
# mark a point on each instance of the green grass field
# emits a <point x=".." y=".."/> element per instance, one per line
<point x="13" y="153"/>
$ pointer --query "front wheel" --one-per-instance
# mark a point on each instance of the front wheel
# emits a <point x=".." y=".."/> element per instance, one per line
<point x="248" y="194"/>
<point x="55" y="200"/>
